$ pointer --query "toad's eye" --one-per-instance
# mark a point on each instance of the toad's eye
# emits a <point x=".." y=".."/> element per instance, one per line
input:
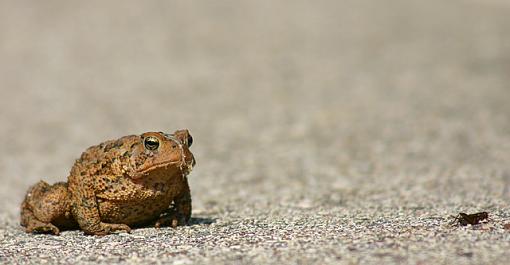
<point x="190" y="140"/>
<point x="151" y="143"/>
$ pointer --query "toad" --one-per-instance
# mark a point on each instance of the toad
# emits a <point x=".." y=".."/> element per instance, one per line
<point x="129" y="182"/>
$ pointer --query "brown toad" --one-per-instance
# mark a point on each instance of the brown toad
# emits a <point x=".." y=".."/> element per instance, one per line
<point x="132" y="181"/>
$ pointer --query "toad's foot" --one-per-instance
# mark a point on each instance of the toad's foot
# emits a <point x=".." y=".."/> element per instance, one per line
<point x="35" y="226"/>
<point x="106" y="229"/>
<point x="171" y="218"/>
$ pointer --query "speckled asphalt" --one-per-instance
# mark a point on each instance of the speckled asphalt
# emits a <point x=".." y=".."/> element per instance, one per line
<point x="338" y="132"/>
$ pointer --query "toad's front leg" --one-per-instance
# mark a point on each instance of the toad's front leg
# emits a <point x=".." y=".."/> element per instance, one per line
<point x="180" y="213"/>
<point x="85" y="207"/>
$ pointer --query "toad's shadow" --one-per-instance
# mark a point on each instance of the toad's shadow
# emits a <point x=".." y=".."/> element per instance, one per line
<point x="201" y="221"/>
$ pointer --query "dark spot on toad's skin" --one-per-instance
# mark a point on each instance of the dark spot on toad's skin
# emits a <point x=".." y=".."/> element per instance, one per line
<point x="113" y="145"/>
<point x="86" y="203"/>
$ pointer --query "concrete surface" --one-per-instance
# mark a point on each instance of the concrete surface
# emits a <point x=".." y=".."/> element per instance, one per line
<point x="340" y="132"/>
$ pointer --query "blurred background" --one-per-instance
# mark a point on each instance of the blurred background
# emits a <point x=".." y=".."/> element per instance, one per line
<point x="269" y="89"/>
<point x="313" y="105"/>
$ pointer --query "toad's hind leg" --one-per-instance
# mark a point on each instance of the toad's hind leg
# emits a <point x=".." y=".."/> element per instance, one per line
<point x="46" y="208"/>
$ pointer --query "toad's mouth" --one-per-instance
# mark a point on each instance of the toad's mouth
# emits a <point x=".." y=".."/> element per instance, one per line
<point x="184" y="167"/>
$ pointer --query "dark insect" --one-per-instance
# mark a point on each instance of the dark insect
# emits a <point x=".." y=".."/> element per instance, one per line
<point x="470" y="219"/>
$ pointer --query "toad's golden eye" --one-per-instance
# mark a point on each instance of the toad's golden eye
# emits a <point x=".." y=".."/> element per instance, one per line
<point x="190" y="140"/>
<point x="151" y="143"/>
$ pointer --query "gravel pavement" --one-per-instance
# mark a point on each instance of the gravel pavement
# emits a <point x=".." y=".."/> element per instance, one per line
<point x="338" y="132"/>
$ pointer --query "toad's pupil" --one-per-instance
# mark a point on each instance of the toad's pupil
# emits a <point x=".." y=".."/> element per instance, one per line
<point x="151" y="143"/>
<point x="190" y="140"/>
